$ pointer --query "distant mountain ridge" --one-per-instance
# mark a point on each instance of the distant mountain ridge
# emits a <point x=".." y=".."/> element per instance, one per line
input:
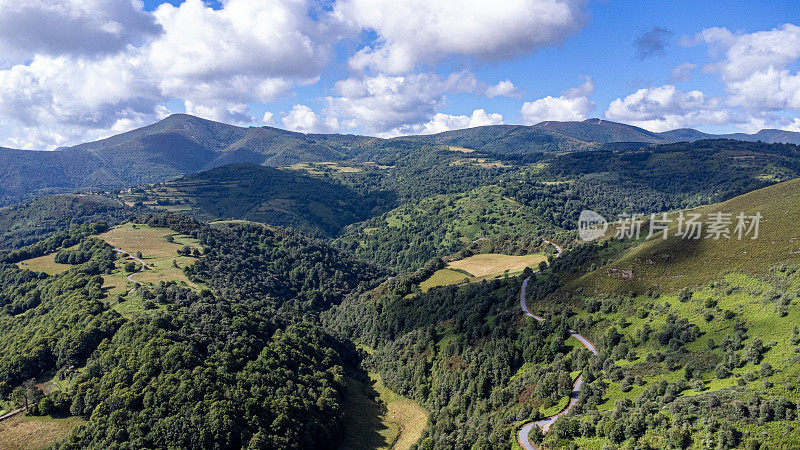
<point x="583" y="135"/>
<point x="182" y="144"/>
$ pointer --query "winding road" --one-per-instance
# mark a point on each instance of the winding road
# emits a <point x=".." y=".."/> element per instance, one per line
<point x="544" y="424"/>
<point x="130" y="277"/>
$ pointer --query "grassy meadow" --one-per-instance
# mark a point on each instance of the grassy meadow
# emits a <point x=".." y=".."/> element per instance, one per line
<point x="21" y="432"/>
<point x="379" y="418"/>
<point x="481" y="267"/>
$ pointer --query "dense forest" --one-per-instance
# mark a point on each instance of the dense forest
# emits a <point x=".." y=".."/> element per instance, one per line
<point x="180" y="375"/>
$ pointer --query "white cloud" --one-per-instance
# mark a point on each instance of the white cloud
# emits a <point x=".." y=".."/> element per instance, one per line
<point x="58" y="100"/>
<point x="383" y="103"/>
<point x="267" y="118"/>
<point x="665" y="108"/>
<point x="215" y="61"/>
<point x="424" y="31"/>
<point x="71" y="27"/>
<point x="303" y="119"/>
<point x="682" y="72"/>
<point x="503" y="89"/>
<point x="441" y="122"/>
<point x="267" y="39"/>
<point x="227" y="112"/>
<point x="746" y="54"/>
<point x="794" y="126"/>
<point x="769" y="89"/>
<point x="755" y="66"/>
<point x="573" y="104"/>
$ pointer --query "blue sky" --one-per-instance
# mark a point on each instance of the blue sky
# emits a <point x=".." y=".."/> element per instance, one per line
<point x="386" y="68"/>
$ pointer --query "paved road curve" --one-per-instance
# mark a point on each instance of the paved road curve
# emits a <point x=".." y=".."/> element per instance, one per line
<point x="544" y="424"/>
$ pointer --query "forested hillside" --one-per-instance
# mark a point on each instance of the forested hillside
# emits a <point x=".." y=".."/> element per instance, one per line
<point x="263" y="194"/>
<point x="26" y="223"/>
<point x="179" y="374"/>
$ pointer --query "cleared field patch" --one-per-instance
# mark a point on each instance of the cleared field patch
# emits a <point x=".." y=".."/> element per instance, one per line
<point x="22" y="432"/>
<point x="481" y="267"/>
<point x="409" y="417"/>
<point x="488" y="264"/>
<point x="453" y="148"/>
<point x="443" y="277"/>
<point x="378" y="418"/>
<point x="160" y="255"/>
<point x="44" y="264"/>
<point x="479" y="162"/>
<point x="317" y="168"/>
<point x="365" y="426"/>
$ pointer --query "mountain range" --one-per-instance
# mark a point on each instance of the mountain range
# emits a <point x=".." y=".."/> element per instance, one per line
<point x="183" y="144"/>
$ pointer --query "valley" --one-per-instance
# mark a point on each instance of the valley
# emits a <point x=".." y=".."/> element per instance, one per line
<point x="405" y="295"/>
<point x="413" y="225"/>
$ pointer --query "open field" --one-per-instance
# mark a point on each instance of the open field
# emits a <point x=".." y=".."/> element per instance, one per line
<point x="479" y="162"/>
<point x="22" y="432"/>
<point x="492" y="263"/>
<point x="443" y="277"/>
<point x="44" y="264"/>
<point x="407" y="415"/>
<point x="378" y="418"/>
<point x="481" y="267"/>
<point x="160" y="256"/>
<point x="460" y="149"/>
<point x="324" y="167"/>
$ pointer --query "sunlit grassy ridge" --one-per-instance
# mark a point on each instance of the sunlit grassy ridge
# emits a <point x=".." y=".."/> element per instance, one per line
<point x="711" y="318"/>
<point x="677" y="262"/>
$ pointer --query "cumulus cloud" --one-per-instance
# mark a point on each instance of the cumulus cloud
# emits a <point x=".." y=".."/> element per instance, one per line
<point x="266" y="39"/>
<point x="441" y="122"/>
<point x="303" y="119"/>
<point x="58" y="100"/>
<point x="71" y="27"/>
<point x="573" y="104"/>
<point x="652" y="42"/>
<point x="383" y="103"/>
<point x="422" y="31"/>
<point x="217" y="61"/>
<point x="745" y="54"/>
<point x="665" y="108"/>
<point x="755" y="66"/>
<point x="504" y="88"/>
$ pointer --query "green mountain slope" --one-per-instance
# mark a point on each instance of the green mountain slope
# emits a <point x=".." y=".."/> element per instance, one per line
<point x="677" y="262"/>
<point x="555" y="136"/>
<point x="182" y="144"/>
<point x="267" y="195"/>
<point x="704" y="359"/>
<point x="24" y="224"/>
<point x="176" y="146"/>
